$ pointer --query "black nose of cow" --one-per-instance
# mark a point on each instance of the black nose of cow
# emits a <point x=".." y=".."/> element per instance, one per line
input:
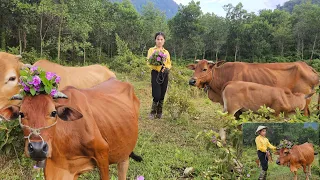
<point x="278" y="162"/>
<point x="192" y="82"/>
<point x="38" y="150"/>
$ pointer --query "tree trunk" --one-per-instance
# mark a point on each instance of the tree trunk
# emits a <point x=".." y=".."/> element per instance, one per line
<point x="84" y="55"/>
<point x="314" y="45"/>
<point x="3" y="38"/>
<point x="100" y="51"/>
<point x="235" y="54"/>
<point x="217" y="55"/>
<point x="41" y="43"/>
<point x="59" y="41"/>
<point x="20" y="41"/>
<point x="24" y="40"/>
<point x="282" y="49"/>
<point x="204" y="53"/>
<point x="302" y="49"/>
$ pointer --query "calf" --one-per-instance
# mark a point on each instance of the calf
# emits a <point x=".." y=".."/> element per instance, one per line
<point x="298" y="156"/>
<point x="243" y="96"/>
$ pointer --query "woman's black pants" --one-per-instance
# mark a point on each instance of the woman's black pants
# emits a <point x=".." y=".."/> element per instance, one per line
<point x="159" y="82"/>
<point x="263" y="160"/>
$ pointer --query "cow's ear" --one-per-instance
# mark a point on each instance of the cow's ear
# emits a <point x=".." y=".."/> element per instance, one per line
<point x="191" y="66"/>
<point x="220" y="63"/>
<point x="67" y="113"/>
<point x="9" y="113"/>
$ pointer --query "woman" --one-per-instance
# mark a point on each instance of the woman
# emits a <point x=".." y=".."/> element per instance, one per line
<point x="262" y="144"/>
<point x="159" y="76"/>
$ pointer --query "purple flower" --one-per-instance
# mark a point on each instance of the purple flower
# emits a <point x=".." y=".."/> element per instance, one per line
<point x="57" y="80"/>
<point x="26" y="88"/>
<point x="35" y="81"/>
<point x="53" y="92"/>
<point x="140" y="178"/>
<point x="34" y="68"/>
<point x="50" y="75"/>
<point x="214" y="139"/>
<point x="158" y="59"/>
<point x="37" y="88"/>
<point x="35" y="167"/>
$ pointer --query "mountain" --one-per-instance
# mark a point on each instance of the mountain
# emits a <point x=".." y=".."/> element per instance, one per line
<point x="289" y="5"/>
<point x="170" y="7"/>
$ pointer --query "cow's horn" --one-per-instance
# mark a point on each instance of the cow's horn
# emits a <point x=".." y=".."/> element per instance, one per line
<point x="197" y="60"/>
<point x="211" y="62"/>
<point x="19" y="56"/>
<point x="60" y="95"/>
<point x="17" y="97"/>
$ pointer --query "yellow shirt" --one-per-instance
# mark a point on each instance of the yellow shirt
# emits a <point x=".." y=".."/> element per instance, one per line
<point x="263" y="143"/>
<point x="167" y="64"/>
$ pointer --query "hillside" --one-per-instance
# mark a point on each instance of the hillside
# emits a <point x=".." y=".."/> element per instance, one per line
<point x="289" y="5"/>
<point x="170" y="7"/>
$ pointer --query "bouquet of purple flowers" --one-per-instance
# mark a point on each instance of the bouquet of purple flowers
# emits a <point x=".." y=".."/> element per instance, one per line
<point x="157" y="58"/>
<point x="35" y="81"/>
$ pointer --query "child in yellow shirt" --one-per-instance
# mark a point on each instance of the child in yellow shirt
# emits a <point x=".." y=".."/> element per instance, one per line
<point x="263" y="144"/>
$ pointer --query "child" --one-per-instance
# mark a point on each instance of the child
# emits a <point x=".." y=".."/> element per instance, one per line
<point x="262" y="144"/>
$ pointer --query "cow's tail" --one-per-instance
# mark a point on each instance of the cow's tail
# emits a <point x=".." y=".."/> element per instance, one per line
<point x="135" y="157"/>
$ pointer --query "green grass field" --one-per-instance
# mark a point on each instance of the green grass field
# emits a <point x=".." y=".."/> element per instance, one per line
<point x="167" y="146"/>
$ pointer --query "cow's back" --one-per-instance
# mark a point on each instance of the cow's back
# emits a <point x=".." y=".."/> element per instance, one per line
<point x="302" y="152"/>
<point x="297" y="76"/>
<point x="113" y="109"/>
<point x="79" y="77"/>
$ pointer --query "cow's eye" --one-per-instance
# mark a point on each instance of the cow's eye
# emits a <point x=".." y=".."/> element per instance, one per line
<point x="204" y="70"/>
<point x="12" y="78"/>
<point x="53" y="113"/>
<point x="21" y="114"/>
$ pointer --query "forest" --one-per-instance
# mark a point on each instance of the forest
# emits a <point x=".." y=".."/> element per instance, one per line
<point x="86" y="30"/>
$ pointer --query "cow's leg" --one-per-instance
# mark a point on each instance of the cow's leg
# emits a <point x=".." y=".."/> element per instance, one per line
<point x="103" y="164"/>
<point x="306" y="109"/>
<point x="295" y="175"/>
<point x="122" y="169"/>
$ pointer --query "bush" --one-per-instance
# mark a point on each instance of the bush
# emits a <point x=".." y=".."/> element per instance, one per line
<point x="11" y="138"/>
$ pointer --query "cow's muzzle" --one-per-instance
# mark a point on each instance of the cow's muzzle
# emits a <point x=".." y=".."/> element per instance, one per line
<point x="38" y="150"/>
<point x="278" y="162"/>
<point x="192" y="82"/>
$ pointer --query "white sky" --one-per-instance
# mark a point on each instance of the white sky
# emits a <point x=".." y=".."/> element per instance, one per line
<point x="216" y="6"/>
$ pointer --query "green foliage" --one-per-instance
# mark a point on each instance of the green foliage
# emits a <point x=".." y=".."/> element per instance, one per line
<point x="10" y="137"/>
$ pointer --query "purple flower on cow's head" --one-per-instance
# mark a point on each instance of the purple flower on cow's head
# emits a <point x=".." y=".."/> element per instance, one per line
<point x="34" y="68"/>
<point x="26" y="88"/>
<point x="53" y="92"/>
<point x="58" y="78"/>
<point x="35" y="81"/>
<point x="158" y="59"/>
<point x="50" y="75"/>
<point x="37" y="88"/>
<point x="140" y="178"/>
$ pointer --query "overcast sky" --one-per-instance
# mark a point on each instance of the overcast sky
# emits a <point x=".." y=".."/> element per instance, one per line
<point x="216" y="6"/>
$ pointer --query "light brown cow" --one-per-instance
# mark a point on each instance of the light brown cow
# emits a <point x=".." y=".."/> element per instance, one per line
<point x="79" y="77"/>
<point x="298" y="156"/>
<point x="244" y="96"/>
<point x="296" y="76"/>
<point x="102" y="128"/>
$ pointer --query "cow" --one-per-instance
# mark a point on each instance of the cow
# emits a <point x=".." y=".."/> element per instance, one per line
<point x="296" y="76"/>
<point x="80" y="77"/>
<point x="296" y="157"/>
<point x="77" y="129"/>
<point x="244" y="96"/>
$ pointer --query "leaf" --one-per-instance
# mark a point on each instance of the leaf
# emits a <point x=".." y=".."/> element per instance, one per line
<point x="29" y="79"/>
<point x="47" y="89"/>
<point x="23" y="73"/>
<point x="32" y="91"/>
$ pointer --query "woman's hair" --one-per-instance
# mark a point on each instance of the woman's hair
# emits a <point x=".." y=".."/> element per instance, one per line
<point x="159" y="33"/>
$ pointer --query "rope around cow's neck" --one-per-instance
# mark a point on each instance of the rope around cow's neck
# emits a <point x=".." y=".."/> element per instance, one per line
<point x="35" y="131"/>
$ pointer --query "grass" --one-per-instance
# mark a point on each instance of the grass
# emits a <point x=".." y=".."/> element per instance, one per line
<point x="276" y="172"/>
<point x="167" y="146"/>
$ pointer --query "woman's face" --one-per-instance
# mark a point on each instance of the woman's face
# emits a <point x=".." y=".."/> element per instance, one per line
<point x="263" y="132"/>
<point x="160" y="41"/>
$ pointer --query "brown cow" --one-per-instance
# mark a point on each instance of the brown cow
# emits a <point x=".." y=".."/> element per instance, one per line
<point x="298" y="156"/>
<point x="243" y="96"/>
<point x="102" y="128"/>
<point x="79" y="77"/>
<point x="296" y="76"/>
